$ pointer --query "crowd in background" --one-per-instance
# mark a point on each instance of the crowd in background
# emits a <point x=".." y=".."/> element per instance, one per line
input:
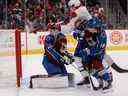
<point x="35" y="14"/>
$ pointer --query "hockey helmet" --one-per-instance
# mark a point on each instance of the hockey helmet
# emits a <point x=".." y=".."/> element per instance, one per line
<point x="94" y="23"/>
<point x="74" y="3"/>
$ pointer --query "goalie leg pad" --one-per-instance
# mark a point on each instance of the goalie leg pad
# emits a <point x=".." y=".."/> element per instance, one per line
<point x="57" y="81"/>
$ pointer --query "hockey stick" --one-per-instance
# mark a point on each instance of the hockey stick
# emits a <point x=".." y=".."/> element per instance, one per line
<point x="90" y="79"/>
<point x="91" y="83"/>
<point x="118" y="69"/>
<point x="111" y="63"/>
<point x="56" y="56"/>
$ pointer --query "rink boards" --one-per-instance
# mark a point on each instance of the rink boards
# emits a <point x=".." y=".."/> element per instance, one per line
<point x="33" y="43"/>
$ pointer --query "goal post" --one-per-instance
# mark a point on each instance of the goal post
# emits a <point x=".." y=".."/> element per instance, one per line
<point x="18" y="56"/>
<point x="10" y="58"/>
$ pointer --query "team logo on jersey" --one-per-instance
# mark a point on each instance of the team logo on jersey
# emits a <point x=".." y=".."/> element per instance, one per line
<point x="116" y="37"/>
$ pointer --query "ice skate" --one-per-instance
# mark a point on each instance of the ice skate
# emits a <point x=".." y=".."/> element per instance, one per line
<point x="85" y="81"/>
<point x="107" y="86"/>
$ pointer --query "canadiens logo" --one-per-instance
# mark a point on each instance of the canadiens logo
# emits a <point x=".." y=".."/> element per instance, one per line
<point x="116" y="37"/>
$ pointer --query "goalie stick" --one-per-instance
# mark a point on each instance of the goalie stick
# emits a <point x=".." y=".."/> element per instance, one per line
<point x="58" y="57"/>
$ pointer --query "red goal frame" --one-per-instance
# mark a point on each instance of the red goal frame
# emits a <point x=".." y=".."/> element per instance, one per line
<point x="18" y="56"/>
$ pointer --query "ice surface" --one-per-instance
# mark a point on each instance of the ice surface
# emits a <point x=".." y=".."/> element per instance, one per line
<point x="32" y="65"/>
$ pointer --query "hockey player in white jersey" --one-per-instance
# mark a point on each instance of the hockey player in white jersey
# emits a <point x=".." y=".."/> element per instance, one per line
<point x="82" y="14"/>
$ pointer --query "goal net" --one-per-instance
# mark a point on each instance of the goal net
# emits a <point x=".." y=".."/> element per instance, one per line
<point x="10" y="58"/>
<point x="21" y="57"/>
<point x="18" y="59"/>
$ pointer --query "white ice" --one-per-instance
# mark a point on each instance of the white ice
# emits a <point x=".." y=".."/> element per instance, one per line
<point x="32" y="65"/>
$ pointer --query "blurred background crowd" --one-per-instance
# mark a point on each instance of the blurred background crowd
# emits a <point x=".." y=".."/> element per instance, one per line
<point x="37" y="14"/>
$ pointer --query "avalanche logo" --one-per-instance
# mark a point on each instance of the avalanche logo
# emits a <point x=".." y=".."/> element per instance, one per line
<point x="116" y="37"/>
